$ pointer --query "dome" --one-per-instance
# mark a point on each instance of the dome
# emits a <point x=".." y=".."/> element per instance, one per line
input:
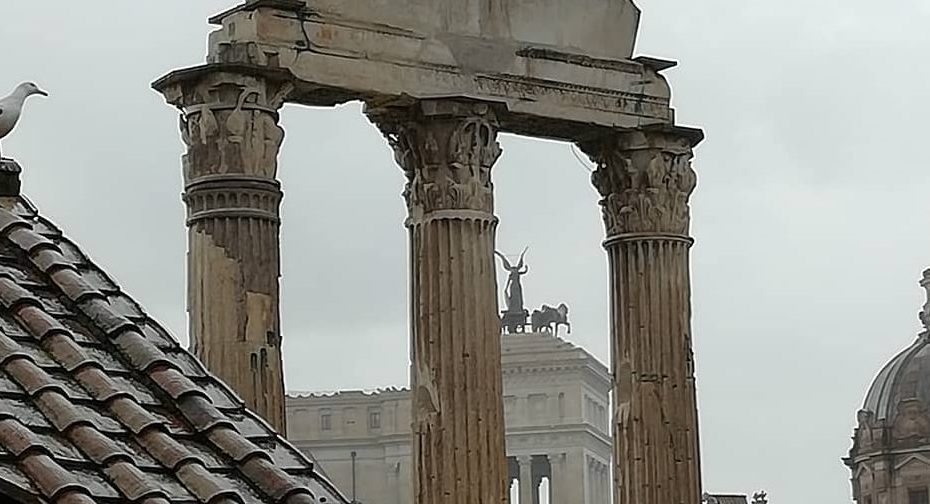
<point x="906" y="377"/>
<point x="890" y="457"/>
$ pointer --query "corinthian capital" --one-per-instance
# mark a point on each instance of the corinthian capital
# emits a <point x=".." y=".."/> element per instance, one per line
<point x="645" y="180"/>
<point x="446" y="150"/>
<point x="229" y="123"/>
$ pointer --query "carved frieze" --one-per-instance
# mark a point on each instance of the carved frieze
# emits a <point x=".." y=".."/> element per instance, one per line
<point x="645" y="180"/>
<point x="229" y="123"/>
<point x="446" y="153"/>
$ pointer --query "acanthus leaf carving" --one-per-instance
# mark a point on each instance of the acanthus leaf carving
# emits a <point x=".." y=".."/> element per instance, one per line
<point x="230" y="125"/>
<point x="447" y="160"/>
<point x="645" y="180"/>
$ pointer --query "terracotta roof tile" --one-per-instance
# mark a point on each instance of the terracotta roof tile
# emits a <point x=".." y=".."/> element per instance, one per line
<point x="73" y="285"/>
<point x="98" y="403"/>
<point x="75" y="498"/>
<point x="202" y="483"/>
<point x="132" y="482"/>
<point x="50" y="261"/>
<point x="30" y="241"/>
<point x="9" y="222"/>
<point x="142" y="354"/>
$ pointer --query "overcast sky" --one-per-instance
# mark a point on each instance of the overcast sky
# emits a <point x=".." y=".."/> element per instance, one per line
<point x="811" y="215"/>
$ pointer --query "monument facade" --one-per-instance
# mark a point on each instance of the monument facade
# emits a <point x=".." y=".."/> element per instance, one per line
<point x="441" y="79"/>
<point x="556" y="414"/>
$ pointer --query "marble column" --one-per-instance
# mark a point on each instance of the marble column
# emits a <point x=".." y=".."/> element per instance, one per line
<point x="229" y="123"/>
<point x="646" y="180"/>
<point x="447" y="149"/>
<point x="556" y="473"/>
<point x="527" y="489"/>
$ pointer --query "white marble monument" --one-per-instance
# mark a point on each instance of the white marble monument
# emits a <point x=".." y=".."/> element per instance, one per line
<point x="557" y="429"/>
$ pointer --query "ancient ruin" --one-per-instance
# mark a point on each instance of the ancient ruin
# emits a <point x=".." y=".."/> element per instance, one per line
<point x="441" y="79"/>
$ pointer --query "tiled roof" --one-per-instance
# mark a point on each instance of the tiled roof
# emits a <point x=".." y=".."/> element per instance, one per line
<point x="98" y="403"/>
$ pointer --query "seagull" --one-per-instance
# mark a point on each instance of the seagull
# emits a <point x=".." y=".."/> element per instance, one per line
<point x="12" y="106"/>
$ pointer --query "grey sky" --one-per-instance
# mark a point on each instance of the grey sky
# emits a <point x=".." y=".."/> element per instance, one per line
<point x="810" y="216"/>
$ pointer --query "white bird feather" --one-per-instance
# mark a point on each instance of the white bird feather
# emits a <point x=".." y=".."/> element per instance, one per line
<point x="11" y="107"/>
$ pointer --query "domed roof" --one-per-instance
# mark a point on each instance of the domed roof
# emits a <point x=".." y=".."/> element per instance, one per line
<point x="907" y="375"/>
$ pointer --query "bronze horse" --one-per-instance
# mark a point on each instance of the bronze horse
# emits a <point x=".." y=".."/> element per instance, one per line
<point x="548" y="319"/>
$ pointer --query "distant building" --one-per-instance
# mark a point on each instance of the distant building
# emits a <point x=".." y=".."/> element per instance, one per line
<point x="556" y="406"/>
<point x="890" y="457"/>
<point x="724" y="499"/>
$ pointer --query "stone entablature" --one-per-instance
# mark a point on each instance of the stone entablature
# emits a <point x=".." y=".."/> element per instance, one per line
<point x="555" y="79"/>
<point x="556" y="399"/>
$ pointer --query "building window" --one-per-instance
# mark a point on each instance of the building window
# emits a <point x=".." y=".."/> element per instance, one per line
<point x="918" y="496"/>
<point x="374" y="419"/>
<point x="326" y="421"/>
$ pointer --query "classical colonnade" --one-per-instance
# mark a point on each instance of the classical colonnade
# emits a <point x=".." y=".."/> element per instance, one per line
<point x="447" y="148"/>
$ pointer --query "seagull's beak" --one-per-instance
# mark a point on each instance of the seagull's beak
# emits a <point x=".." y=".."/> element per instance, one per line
<point x="43" y="93"/>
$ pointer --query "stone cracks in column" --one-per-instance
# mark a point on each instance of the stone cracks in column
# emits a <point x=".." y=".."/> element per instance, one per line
<point x="655" y="415"/>
<point x="241" y="215"/>
<point x="446" y="150"/>
<point x="229" y="124"/>
<point x="645" y="180"/>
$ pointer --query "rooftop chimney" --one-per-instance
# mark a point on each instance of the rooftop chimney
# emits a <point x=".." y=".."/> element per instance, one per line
<point x="9" y="177"/>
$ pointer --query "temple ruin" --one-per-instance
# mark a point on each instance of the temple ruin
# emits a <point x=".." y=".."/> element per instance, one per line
<point x="441" y="79"/>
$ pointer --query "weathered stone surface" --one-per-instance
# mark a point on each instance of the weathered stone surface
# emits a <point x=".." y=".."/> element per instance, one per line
<point x="229" y="123"/>
<point x="447" y="150"/>
<point x="441" y="78"/>
<point x="555" y="66"/>
<point x="645" y="179"/>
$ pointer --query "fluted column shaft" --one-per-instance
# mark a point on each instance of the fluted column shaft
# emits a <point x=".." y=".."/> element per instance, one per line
<point x="446" y="150"/>
<point x="229" y="124"/>
<point x="646" y="179"/>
